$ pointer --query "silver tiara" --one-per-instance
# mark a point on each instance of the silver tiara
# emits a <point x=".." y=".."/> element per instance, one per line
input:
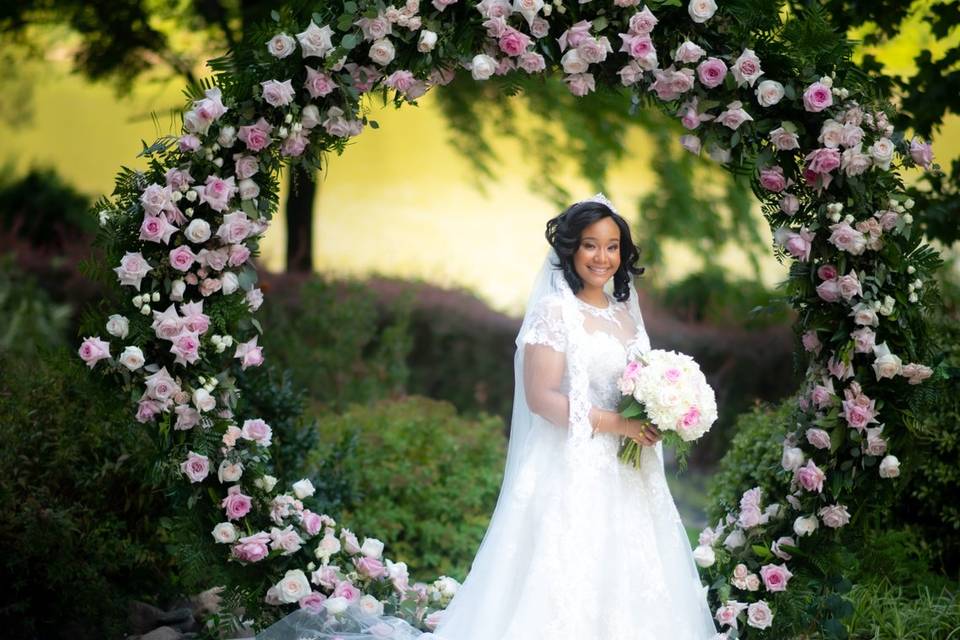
<point x="602" y="199"/>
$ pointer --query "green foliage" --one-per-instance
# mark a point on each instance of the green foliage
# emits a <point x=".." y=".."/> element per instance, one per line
<point x="712" y="296"/>
<point x="752" y="459"/>
<point x="416" y="475"/>
<point x="29" y="319"/>
<point x="331" y="338"/>
<point x="888" y="611"/>
<point x="78" y="527"/>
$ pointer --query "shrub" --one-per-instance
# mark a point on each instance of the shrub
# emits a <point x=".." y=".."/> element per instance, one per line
<point x="331" y="338"/>
<point x="886" y="611"/>
<point x="28" y="317"/>
<point x="417" y="474"/>
<point x="78" y="524"/>
<point x="42" y="208"/>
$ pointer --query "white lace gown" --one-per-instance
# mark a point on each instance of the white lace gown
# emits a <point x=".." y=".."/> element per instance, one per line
<point x="601" y="555"/>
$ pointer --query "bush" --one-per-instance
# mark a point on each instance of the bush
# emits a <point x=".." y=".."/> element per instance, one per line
<point x="42" y="208"/>
<point x="884" y="611"/>
<point x="78" y="524"/>
<point x="331" y="338"/>
<point x="28" y="317"/>
<point x="752" y="459"/>
<point x="415" y="473"/>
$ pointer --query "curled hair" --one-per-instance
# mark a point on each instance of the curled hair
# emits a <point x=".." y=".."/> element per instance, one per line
<point x="564" y="231"/>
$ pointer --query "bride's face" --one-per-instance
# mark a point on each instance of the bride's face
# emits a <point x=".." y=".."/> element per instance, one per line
<point x="598" y="256"/>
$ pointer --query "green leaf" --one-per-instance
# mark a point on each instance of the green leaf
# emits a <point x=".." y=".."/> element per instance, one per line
<point x="350" y="6"/>
<point x="349" y="41"/>
<point x="600" y="24"/>
<point x="374" y="124"/>
<point x="345" y="23"/>
<point x="275" y="16"/>
<point x="761" y="551"/>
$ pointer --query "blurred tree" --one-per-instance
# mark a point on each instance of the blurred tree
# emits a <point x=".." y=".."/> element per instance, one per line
<point x="122" y="39"/>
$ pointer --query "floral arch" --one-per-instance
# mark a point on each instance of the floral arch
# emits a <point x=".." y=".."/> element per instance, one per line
<point x="768" y="93"/>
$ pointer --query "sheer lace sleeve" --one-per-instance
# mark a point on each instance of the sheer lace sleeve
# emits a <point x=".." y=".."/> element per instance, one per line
<point x="546" y="326"/>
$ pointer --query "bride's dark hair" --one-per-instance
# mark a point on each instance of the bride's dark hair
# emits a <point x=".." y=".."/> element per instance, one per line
<point x="563" y="234"/>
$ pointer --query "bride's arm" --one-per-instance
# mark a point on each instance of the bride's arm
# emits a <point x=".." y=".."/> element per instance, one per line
<point x="542" y="380"/>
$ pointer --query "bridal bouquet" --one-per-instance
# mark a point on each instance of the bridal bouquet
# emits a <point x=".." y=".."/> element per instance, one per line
<point x="668" y="389"/>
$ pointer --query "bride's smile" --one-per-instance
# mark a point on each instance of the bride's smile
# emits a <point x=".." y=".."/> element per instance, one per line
<point x="597" y="259"/>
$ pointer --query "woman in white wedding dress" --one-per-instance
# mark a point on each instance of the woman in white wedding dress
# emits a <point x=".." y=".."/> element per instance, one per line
<point x="580" y="545"/>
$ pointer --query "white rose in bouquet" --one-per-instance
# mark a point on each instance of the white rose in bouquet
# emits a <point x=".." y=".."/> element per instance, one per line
<point x="668" y="389"/>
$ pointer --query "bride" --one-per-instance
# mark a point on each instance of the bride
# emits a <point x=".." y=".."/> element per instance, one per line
<point x="580" y="546"/>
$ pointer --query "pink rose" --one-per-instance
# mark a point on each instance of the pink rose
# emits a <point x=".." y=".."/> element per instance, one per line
<point x="784" y="140"/>
<point x="643" y="21"/>
<point x="252" y="548"/>
<point x="346" y="590"/>
<point x="746" y="69"/>
<point x="818" y="438"/>
<point x="196" y="466"/>
<point x="318" y="84"/>
<point x="161" y="386"/>
<point x="255" y="136"/>
<point x="133" y="268"/>
<point x="839" y="369"/>
<point x="573" y="36"/>
<point x="93" y="350"/>
<point x="834" y="516"/>
<point x="531" y="62"/>
<point x="245" y="166"/>
<point x="187" y="417"/>
<point x="876" y="445"/>
<point x="156" y="229"/>
<point x="690" y="419"/>
<point x="188" y="143"/>
<point x="749" y="517"/>
<point x="810" y="477"/>
<point x="734" y="116"/>
<point x="850" y="286"/>
<point x="829" y="290"/>
<point x="916" y="373"/>
<point x="580" y="84"/>
<point x="294" y="145"/>
<point x="727" y="614"/>
<point x="235" y="228"/>
<point x="775" y="577"/>
<point x="237" y="505"/>
<point x="513" y="42"/>
<point x="759" y="615"/>
<point x="671" y="374"/>
<point x="711" y="72"/>
<point x="864" y="340"/>
<point x="799" y="244"/>
<point x="751" y="497"/>
<point x="637" y="46"/>
<point x="823" y="394"/>
<point x="846" y="238"/>
<point x="370" y="567"/>
<point x="258" y="431"/>
<point x="249" y="353"/>
<point x="286" y="540"/>
<point x="789" y="204"/>
<point x="313" y="602"/>
<point x="350" y="543"/>
<point x="691" y="144"/>
<point x="858" y="416"/>
<point x="822" y="161"/>
<point x="277" y="94"/>
<point x="827" y="272"/>
<point x="186" y="348"/>
<point x="216" y="192"/>
<point x="772" y="179"/>
<point x="817" y="97"/>
<point x="921" y="152"/>
<point x="238" y="254"/>
<point x="182" y="258"/>
<point x="177" y="179"/>
<point x="311" y="522"/>
<point x="810" y="341"/>
<point x="147" y="410"/>
<point x="777" y="545"/>
<point x="689" y="52"/>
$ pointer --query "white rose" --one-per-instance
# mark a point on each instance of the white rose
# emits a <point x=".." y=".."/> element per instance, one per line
<point x="281" y="45"/>
<point x="792" y="458"/>
<point x="118" y="326"/>
<point x="303" y="488"/>
<point x="735" y="540"/>
<point x="769" y="93"/>
<point x="382" y="51"/>
<point x="447" y="586"/>
<point x="805" y="525"/>
<point x="831" y="134"/>
<point x="225" y="533"/>
<point x="886" y="308"/>
<point x="248" y="189"/>
<point x="293" y="586"/>
<point x="889" y="467"/>
<point x="573" y="63"/>
<point x="228" y="135"/>
<point x="370" y="605"/>
<point x="701" y="10"/>
<point x="482" y="66"/>
<point x="316" y="41"/>
<point x="229" y="283"/>
<point x="310" y="116"/>
<point x="267" y="483"/>
<point x="882" y="152"/>
<point x="197" y="231"/>
<point x="886" y="364"/>
<point x="336" y="605"/>
<point x="203" y="401"/>
<point x="230" y="471"/>
<point x="177" y="287"/>
<point x="132" y="358"/>
<point x="372" y="548"/>
<point x="328" y="546"/>
<point x="427" y="41"/>
<point x="704" y="556"/>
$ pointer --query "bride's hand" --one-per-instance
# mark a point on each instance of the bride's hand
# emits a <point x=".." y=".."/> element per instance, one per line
<point x="644" y="433"/>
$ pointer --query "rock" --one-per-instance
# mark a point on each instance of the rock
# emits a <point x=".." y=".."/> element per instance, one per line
<point x="163" y="633"/>
<point x="144" y="617"/>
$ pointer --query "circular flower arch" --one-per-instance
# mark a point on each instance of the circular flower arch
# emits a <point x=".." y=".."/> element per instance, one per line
<point x="768" y="94"/>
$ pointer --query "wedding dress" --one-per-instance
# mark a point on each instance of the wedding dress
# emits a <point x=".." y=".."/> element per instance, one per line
<point x="580" y="546"/>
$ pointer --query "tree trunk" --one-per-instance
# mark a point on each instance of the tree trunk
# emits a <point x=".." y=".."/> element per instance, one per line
<point x="302" y="189"/>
